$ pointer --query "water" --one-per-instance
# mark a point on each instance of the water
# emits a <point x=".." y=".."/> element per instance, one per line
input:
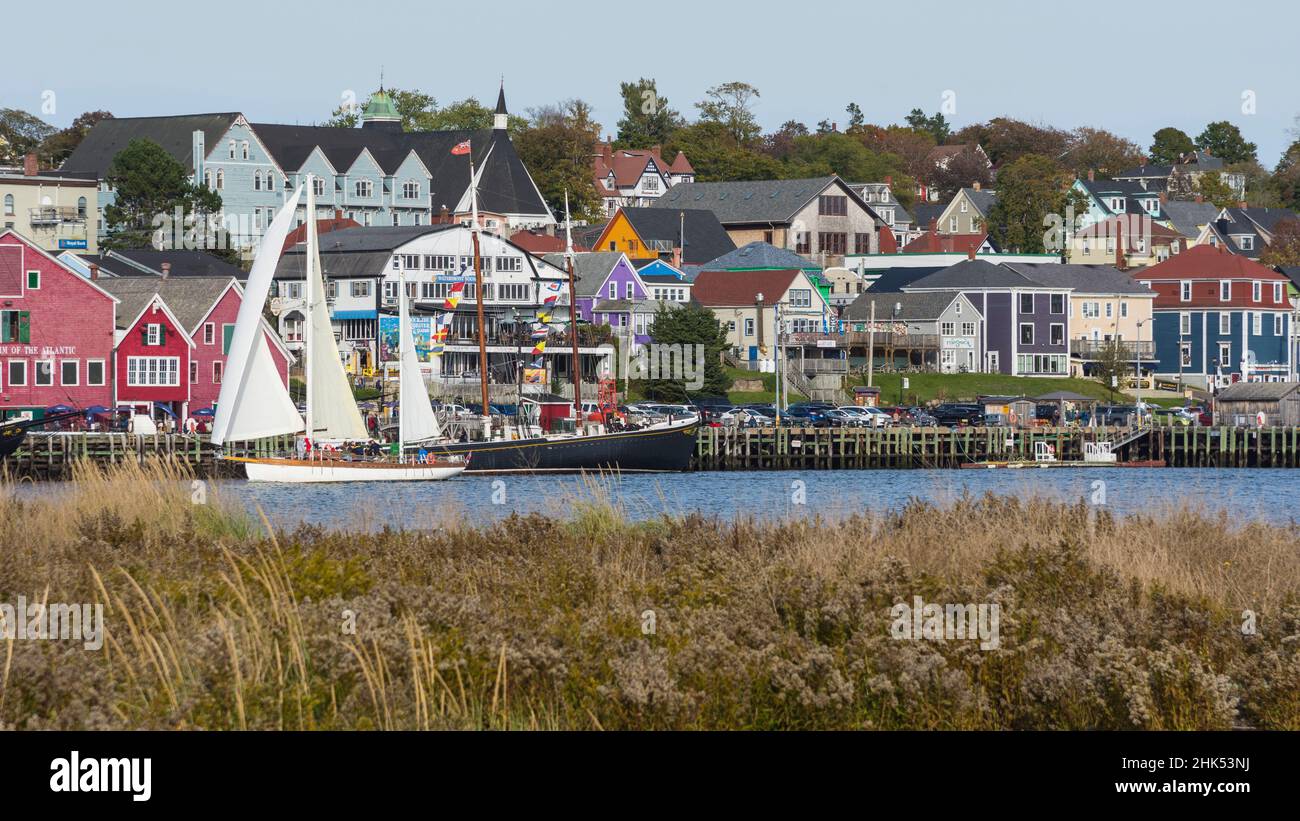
<point x="1254" y="494"/>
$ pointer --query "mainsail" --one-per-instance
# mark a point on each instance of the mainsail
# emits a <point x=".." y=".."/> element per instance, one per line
<point x="416" y="421"/>
<point x="331" y="408"/>
<point x="254" y="401"/>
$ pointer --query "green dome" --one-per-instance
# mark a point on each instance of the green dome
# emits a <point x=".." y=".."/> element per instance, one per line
<point x="380" y="108"/>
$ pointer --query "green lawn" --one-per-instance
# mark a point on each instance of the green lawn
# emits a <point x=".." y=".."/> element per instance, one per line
<point x="924" y="387"/>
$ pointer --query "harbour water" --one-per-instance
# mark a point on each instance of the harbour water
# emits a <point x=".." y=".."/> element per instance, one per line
<point x="1242" y="495"/>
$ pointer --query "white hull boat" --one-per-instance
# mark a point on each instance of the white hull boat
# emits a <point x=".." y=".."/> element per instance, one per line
<point x="338" y="470"/>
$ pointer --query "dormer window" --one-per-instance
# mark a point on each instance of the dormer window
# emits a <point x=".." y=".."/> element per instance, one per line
<point x="1117" y="204"/>
<point x="1246" y="243"/>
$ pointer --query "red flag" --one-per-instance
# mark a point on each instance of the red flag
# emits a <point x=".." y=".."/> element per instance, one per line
<point x="461" y="148"/>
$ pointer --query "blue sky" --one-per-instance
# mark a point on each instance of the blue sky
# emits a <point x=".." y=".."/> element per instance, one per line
<point x="1130" y="67"/>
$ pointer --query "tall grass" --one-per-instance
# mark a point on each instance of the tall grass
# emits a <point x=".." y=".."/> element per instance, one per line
<point x="593" y="621"/>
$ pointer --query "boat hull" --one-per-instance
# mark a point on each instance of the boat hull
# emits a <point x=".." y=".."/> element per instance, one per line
<point x="657" y="450"/>
<point x="329" y="470"/>
<point x="10" y="441"/>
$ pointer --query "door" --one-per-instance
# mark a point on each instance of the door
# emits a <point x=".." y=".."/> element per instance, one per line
<point x="993" y="362"/>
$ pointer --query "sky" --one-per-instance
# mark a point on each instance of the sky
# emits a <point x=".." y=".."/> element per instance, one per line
<point x="1131" y="67"/>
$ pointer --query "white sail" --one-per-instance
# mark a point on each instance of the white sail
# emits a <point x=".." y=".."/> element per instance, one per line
<point x="416" y="422"/>
<point x="331" y="408"/>
<point x="254" y="401"/>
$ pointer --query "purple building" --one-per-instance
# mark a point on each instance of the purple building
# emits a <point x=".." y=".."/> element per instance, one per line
<point x="1026" y="323"/>
<point x="610" y="292"/>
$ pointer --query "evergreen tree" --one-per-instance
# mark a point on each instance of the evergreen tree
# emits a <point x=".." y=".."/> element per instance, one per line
<point x="647" y="118"/>
<point x="150" y="186"/>
<point x="689" y="325"/>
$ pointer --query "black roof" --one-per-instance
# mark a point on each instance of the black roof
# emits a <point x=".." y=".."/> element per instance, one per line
<point x="175" y="134"/>
<point x="895" y="279"/>
<point x="706" y="239"/>
<point x="148" y="262"/>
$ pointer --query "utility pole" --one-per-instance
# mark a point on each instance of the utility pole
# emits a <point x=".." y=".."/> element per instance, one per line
<point x="871" y="345"/>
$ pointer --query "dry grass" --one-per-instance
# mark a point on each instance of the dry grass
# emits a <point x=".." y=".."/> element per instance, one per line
<point x="537" y="622"/>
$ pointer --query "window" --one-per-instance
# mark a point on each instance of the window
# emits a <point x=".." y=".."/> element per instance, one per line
<point x="390" y="291"/>
<point x="1185" y="291"/>
<point x="861" y="243"/>
<point x="1277" y="292"/>
<point x="257" y="181"/>
<point x="153" y="370"/>
<point x="17" y="373"/>
<point x="1225" y="324"/>
<point x="651" y="184"/>
<point x="411" y="262"/>
<point x="194" y="372"/>
<point x="749" y="326"/>
<point x="1026" y="333"/>
<point x="514" y="291"/>
<point x="209" y="332"/>
<point x="9" y="205"/>
<point x="411" y="190"/>
<point x="833" y="242"/>
<point x="1091" y="310"/>
<point x="947" y="328"/>
<point x="364" y="189"/>
<point x="1110" y="308"/>
<point x="1026" y="303"/>
<point x="952" y="225"/>
<point x="243" y="149"/>
<point x="803" y="242"/>
<point x="359" y="288"/>
<point x="514" y="264"/>
<point x="232" y="149"/>
<point x="627" y="290"/>
<point x="1225" y="290"/>
<point x="1184" y="323"/>
<point x="94" y="372"/>
<point x="1256" y="291"/>
<point x="68" y="372"/>
<point x="81" y="207"/>
<point x="1246" y="243"/>
<point x="44" y="372"/>
<point x="33" y="280"/>
<point x="1278" y="322"/>
<point x="221" y="179"/>
<point x="1056" y="333"/>
<point x="968" y="329"/>
<point x="1225" y="354"/>
<point x="613" y="290"/>
<point x="218" y="368"/>
<point x="800" y="298"/>
<point x="1185" y="354"/>
<point x="1123" y="310"/>
<point x="15" y="326"/>
<point x="830" y="205"/>
<point x="1058" y="304"/>
<point x="318" y="186"/>
<point x="1257" y="323"/>
<point x="964" y="207"/>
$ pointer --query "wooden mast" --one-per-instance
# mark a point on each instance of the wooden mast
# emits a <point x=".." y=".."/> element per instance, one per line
<point x="573" y="314"/>
<point x="478" y="293"/>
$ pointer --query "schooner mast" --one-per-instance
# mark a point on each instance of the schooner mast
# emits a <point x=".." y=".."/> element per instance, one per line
<point x="573" y="314"/>
<point x="478" y="294"/>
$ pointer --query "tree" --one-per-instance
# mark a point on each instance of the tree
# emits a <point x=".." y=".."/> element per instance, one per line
<point x="58" y="146"/>
<point x="1112" y="365"/>
<point x="780" y="143"/>
<point x="1102" y="151"/>
<point x="856" y="120"/>
<point x="1284" y="250"/>
<point x="936" y="126"/>
<point x="1168" y="145"/>
<point x="716" y="157"/>
<point x="1212" y="188"/>
<point x="647" y="118"/>
<point x="415" y="107"/>
<point x="557" y="149"/>
<point x="150" y="185"/>
<point x="1006" y="140"/>
<point x="961" y="171"/>
<point x="20" y="134"/>
<point x="912" y="146"/>
<point x="730" y="105"/>
<point x="689" y="325"/>
<point x="1222" y="139"/>
<point x="1030" y="190"/>
<point x="1286" y="178"/>
<point x="835" y="153"/>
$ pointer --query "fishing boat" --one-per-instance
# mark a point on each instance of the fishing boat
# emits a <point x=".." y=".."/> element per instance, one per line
<point x="334" y="445"/>
<point x="667" y="446"/>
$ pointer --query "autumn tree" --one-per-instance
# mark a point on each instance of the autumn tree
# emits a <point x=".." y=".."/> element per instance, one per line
<point x="1284" y="250"/>
<point x="557" y="149"/>
<point x="1100" y="150"/>
<point x="962" y="170"/>
<point x="1029" y="190"/>
<point x="717" y="157"/>
<point x="20" y="134"/>
<point x="58" y="146"/>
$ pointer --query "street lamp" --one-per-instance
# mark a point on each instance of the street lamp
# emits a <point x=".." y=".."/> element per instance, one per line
<point x="1140" y="323"/>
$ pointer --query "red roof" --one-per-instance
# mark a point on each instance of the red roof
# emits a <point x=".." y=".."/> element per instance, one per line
<point x="932" y="243"/>
<point x="629" y="165"/>
<point x="1207" y="262"/>
<point x="538" y="244"/>
<point x="324" y="226"/>
<point x="733" y="288"/>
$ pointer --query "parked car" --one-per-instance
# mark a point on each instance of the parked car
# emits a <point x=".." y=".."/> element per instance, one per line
<point x="843" y="419"/>
<point x="879" y="418"/>
<point x="868" y="419"/>
<point x="922" y="418"/>
<point x="1177" y="417"/>
<point x="744" y="418"/>
<point x="1203" y="416"/>
<point x="953" y="414"/>
<point x="803" y="416"/>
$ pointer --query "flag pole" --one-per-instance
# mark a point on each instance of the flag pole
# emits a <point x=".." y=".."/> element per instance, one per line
<point x="478" y="293"/>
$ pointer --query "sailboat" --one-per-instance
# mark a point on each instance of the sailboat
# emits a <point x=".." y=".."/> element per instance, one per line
<point x="255" y="403"/>
<point x="663" y="447"/>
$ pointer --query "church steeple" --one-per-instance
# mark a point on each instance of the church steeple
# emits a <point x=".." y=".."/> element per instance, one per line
<point x="501" y="119"/>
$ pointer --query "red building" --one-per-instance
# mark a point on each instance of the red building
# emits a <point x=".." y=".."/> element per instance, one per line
<point x="173" y="335"/>
<point x="56" y="333"/>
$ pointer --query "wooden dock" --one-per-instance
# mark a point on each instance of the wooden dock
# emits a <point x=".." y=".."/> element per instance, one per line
<point x="51" y="455"/>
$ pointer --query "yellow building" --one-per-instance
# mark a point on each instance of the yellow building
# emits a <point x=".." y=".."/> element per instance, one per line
<point x="57" y="212"/>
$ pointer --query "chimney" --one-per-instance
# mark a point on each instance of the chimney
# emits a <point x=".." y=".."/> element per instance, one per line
<point x="975" y="185"/>
<point x="677" y="256"/>
<point x="30" y="166"/>
<point x="166" y="269"/>
<point x="1242" y="204"/>
<point x="934" y="226"/>
<point x="758" y="303"/>
<point x="1120" y="262"/>
<point x="444" y="216"/>
<point x="970" y="252"/>
<point x="889" y="180"/>
<point x="1164" y="198"/>
<point x="1092" y="175"/>
<point x="94" y="271"/>
<point x="338" y="213"/>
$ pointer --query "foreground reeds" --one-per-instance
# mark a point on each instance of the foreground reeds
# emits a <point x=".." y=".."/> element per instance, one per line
<point x="596" y="622"/>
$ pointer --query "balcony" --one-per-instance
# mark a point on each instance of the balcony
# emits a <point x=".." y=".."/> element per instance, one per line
<point x="55" y="215"/>
<point x="1094" y="349"/>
